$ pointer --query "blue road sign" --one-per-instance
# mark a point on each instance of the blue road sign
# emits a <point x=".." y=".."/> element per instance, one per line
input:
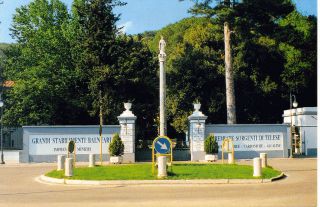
<point x="162" y="145"/>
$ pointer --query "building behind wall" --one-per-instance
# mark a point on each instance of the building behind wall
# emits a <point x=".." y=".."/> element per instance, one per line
<point x="304" y="124"/>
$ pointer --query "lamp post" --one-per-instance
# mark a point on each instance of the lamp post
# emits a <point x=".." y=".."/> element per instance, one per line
<point x="1" y="105"/>
<point x="293" y="104"/>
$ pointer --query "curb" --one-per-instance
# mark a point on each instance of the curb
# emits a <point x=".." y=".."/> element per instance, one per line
<point x="282" y="175"/>
<point x="49" y="180"/>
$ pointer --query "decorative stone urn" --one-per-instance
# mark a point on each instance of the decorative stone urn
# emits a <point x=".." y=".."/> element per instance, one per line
<point x="127" y="106"/>
<point x="116" y="159"/>
<point x="197" y="106"/>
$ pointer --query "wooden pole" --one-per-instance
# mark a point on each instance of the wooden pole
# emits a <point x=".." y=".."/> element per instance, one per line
<point x="101" y="123"/>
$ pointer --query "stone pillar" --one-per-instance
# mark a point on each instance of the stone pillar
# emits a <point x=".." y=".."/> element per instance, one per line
<point x="162" y="88"/>
<point x="257" y="170"/>
<point x="68" y="167"/>
<point x="92" y="160"/>
<point x="197" y="133"/>
<point x="60" y="162"/>
<point x="263" y="157"/>
<point x="127" y="133"/>
<point x="162" y="166"/>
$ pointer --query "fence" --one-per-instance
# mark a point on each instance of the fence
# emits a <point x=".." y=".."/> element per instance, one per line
<point x="12" y="138"/>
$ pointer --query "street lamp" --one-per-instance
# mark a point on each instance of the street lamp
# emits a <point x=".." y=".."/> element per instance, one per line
<point x="1" y="105"/>
<point x="293" y="104"/>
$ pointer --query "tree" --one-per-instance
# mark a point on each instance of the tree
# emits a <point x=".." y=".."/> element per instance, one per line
<point x="249" y="15"/>
<point x="298" y="37"/>
<point x="193" y="69"/>
<point x="195" y="61"/>
<point x="96" y="47"/>
<point x="39" y="64"/>
<point x="133" y="78"/>
<point x="116" y="147"/>
<point x="119" y="66"/>
<point x="62" y="61"/>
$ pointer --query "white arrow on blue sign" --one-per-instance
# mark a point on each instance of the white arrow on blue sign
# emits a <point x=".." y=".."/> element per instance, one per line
<point x="162" y="145"/>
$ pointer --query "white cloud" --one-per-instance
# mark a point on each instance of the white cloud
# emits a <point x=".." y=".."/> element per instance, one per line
<point x="125" y="26"/>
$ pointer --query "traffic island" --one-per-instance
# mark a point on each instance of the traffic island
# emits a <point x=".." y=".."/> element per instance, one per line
<point x="180" y="174"/>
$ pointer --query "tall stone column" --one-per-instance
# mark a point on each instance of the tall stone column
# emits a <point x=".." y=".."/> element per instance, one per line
<point x="162" y="60"/>
<point x="127" y="133"/>
<point x="197" y="123"/>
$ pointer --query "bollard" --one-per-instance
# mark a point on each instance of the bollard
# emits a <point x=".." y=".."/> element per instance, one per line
<point x="92" y="160"/>
<point x="257" y="167"/>
<point x="60" y="162"/>
<point x="68" y="172"/>
<point x="230" y="158"/>
<point x="263" y="157"/>
<point x="162" y="167"/>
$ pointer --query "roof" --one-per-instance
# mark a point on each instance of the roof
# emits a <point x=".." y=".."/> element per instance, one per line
<point x="8" y="83"/>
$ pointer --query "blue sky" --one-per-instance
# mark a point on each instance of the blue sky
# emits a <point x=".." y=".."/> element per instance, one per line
<point x="138" y="15"/>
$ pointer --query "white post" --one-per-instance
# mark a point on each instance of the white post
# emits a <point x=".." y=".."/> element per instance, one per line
<point x="127" y="133"/>
<point x="92" y="160"/>
<point x="197" y="123"/>
<point x="60" y="162"/>
<point x="230" y="158"/>
<point x="162" y="59"/>
<point x="263" y="157"/>
<point x="257" y="170"/>
<point x="162" y="166"/>
<point x="68" y="167"/>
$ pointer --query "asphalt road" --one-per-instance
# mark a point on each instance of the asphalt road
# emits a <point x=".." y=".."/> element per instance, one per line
<point x="299" y="189"/>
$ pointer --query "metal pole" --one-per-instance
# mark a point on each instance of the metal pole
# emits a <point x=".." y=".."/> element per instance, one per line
<point x="2" y="160"/>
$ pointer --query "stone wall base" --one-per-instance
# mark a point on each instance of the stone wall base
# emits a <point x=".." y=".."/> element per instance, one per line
<point x="197" y="156"/>
<point x="128" y="158"/>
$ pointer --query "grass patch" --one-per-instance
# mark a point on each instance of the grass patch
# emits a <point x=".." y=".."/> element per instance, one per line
<point x="179" y="172"/>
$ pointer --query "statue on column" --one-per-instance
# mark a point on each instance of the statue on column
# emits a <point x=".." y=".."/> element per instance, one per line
<point x="162" y="45"/>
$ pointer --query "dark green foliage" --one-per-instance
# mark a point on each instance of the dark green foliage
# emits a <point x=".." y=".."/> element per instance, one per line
<point x="62" y="61"/>
<point x="116" y="147"/>
<point x="40" y="66"/>
<point x="3" y="47"/>
<point x="273" y="52"/>
<point x="269" y="55"/>
<point x="211" y="145"/>
<point x="71" y="146"/>
<point x="95" y="50"/>
<point x="119" y="66"/>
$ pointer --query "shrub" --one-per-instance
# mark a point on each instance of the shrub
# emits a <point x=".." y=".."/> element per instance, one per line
<point x="116" y="146"/>
<point x="211" y="145"/>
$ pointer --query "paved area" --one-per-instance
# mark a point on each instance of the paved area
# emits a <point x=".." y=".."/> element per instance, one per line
<point x="19" y="188"/>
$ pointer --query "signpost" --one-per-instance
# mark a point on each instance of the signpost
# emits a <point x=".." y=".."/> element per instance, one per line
<point x="228" y="146"/>
<point x="161" y="146"/>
